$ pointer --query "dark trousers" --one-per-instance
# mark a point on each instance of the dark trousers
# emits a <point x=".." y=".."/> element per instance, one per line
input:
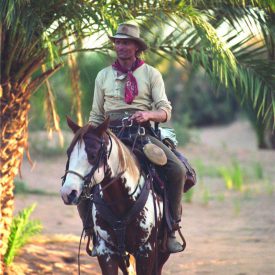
<point x="174" y="173"/>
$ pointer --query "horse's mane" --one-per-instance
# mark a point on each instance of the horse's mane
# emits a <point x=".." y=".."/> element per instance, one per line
<point x="127" y="158"/>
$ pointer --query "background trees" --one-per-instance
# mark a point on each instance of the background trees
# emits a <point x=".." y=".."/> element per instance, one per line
<point x="36" y="35"/>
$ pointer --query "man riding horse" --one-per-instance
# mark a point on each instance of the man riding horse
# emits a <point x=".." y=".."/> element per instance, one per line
<point x="131" y="88"/>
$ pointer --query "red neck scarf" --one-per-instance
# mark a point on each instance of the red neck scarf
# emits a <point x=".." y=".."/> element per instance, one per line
<point x="131" y="87"/>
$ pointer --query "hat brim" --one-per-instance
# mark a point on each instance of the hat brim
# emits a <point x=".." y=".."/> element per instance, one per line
<point x="140" y="41"/>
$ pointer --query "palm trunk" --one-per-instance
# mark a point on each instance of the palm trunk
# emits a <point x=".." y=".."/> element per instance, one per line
<point x="14" y="110"/>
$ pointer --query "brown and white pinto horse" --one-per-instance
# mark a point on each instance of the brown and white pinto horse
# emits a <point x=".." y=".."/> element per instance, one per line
<point x="98" y="157"/>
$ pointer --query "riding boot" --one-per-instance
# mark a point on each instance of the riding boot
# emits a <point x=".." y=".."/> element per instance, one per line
<point x="174" y="197"/>
<point x="173" y="245"/>
<point x="85" y="214"/>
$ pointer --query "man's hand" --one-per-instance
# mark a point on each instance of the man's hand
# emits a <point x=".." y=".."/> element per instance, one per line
<point x="141" y="116"/>
<point x="144" y="116"/>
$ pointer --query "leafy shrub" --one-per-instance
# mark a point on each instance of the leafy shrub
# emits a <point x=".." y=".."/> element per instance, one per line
<point x="21" y="230"/>
<point x="233" y="176"/>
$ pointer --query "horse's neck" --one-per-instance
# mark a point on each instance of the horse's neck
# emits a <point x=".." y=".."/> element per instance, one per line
<point x="120" y="193"/>
<point x="122" y="160"/>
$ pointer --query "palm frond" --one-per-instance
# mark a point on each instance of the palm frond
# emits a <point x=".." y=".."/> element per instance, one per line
<point x="52" y="118"/>
<point x="75" y="81"/>
<point x="193" y="34"/>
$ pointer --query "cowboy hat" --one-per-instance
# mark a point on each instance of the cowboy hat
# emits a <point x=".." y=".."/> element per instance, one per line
<point x="129" y="31"/>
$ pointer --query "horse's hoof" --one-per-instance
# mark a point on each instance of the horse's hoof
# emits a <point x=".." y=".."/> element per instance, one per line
<point x="173" y="246"/>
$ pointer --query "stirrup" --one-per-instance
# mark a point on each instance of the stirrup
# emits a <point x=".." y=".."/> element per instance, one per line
<point x="93" y="252"/>
<point x="173" y="246"/>
<point x="180" y="247"/>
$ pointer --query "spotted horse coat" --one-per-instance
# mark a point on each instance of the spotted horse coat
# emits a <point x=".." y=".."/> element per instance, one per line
<point x="122" y="168"/>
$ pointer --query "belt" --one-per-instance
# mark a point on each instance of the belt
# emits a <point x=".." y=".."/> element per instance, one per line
<point x="120" y="114"/>
<point x="124" y="122"/>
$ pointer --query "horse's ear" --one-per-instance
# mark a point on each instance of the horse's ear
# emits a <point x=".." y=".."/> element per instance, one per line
<point x="72" y="124"/>
<point x="103" y="126"/>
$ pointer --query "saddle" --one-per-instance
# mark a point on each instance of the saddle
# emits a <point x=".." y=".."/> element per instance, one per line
<point x="150" y="156"/>
<point x="132" y="136"/>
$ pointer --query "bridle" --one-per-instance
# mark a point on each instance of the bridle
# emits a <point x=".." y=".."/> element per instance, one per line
<point x="118" y="224"/>
<point x="102" y="157"/>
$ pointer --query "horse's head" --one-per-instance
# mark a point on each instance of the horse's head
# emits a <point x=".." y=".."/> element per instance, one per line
<point x="86" y="156"/>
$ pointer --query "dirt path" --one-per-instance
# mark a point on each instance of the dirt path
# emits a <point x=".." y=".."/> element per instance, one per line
<point x="227" y="232"/>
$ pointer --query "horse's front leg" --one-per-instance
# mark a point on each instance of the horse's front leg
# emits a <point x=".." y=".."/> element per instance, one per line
<point x="108" y="264"/>
<point x="145" y="258"/>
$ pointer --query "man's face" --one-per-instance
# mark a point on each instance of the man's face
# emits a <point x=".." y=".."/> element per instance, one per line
<point x="125" y="48"/>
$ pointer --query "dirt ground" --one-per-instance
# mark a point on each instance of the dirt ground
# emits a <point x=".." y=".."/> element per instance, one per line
<point x="227" y="232"/>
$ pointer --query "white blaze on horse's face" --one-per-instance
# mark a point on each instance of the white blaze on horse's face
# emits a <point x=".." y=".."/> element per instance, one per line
<point x="73" y="185"/>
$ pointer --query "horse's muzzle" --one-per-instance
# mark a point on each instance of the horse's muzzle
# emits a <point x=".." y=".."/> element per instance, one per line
<point x="70" y="199"/>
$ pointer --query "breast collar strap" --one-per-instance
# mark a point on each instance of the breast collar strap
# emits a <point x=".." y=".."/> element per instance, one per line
<point x="119" y="224"/>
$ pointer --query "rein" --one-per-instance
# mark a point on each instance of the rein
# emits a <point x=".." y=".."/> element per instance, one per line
<point x="118" y="224"/>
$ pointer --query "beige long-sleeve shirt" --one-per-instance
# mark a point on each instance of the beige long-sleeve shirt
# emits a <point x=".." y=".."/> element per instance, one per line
<point x="109" y="93"/>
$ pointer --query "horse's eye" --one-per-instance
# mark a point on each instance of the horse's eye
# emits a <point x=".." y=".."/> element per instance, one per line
<point x="92" y="158"/>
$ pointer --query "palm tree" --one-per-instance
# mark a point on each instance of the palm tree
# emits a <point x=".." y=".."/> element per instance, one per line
<point x="36" y="35"/>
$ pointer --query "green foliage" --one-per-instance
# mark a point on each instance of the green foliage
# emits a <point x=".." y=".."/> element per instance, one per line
<point x="89" y="65"/>
<point x="188" y="196"/>
<point x="263" y="127"/>
<point x="62" y="92"/>
<point x="206" y="196"/>
<point x="205" y="107"/>
<point x="259" y="172"/>
<point x="182" y="132"/>
<point x="194" y="98"/>
<point x="21" y="230"/>
<point x="43" y="145"/>
<point x="47" y="151"/>
<point x="20" y="187"/>
<point x="192" y="32"/>
<point x="203" y="169"/>
<point x="233" y="176"/>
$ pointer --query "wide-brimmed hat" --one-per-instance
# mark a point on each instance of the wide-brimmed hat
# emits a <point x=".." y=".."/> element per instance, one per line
<point x="129" y="31"/>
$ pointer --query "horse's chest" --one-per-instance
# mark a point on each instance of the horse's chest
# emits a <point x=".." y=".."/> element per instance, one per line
<point x="137" y="232"/>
